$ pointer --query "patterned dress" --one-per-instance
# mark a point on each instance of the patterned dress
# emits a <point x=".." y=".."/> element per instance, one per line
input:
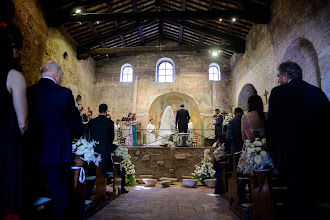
<point x="11" y="174"/>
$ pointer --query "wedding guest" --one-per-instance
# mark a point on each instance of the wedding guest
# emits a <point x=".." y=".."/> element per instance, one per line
<point x="117" y="131"/>
<point x="234" y="134"/>
<point x="218" y="126"/>
<point x="14" y="118"/>
<point x="129" y="134"/>
<point x="253" y="121"/>
<point x="300" y="159"/>
<point x="54" y="121"/>
<point x="134" y="131"/>
<point x="101" y="129"/>
<point x="89" y="115"/>
<point x="151" y="132"/>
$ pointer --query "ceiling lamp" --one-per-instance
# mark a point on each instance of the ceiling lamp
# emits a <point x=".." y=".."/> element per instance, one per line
<point x="215" y="53"/>
<point x="234" y="19"/>
<point x="78" y="11"/>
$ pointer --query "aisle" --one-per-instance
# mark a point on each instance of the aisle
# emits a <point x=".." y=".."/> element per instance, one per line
<point x="174" y="202"/>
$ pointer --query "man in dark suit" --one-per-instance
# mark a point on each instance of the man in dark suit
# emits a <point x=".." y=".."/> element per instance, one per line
<point x="218" y="126"/>
<point x="300" y="154"/>
<point x="101" y="129"/>
<point x="54" y="121"/>
<point x="182" y="119"/>
<point x="234" y="133"/>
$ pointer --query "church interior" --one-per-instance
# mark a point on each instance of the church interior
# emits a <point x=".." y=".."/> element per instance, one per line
<point x="140" y="56"/>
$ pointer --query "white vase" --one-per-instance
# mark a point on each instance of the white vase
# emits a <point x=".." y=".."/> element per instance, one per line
<point x="210" y="182"/>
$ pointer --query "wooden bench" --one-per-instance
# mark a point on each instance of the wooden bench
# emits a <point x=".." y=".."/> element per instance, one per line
<point x="117" y="178"/>
<point x="234" y="196"/>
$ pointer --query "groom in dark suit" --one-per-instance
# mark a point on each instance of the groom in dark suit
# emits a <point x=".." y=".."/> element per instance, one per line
<point x="101" y="129"/>
<point x="182" y="119"/>
<point x="54" y="121"/>
<point x="301" y="154"/>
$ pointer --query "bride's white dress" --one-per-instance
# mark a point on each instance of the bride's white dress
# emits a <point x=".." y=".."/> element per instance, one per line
<point x="167" y="126"/>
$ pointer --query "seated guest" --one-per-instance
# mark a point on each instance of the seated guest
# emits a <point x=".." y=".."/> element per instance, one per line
<point x="234" y="134"/>
<point x="54" y="121"/>
<point x="101" y="129"/>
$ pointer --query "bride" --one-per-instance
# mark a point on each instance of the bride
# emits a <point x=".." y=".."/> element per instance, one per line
<point x="167" y="126"/>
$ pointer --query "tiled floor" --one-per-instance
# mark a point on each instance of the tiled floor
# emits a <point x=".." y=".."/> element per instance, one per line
<point x="174" y="202"/>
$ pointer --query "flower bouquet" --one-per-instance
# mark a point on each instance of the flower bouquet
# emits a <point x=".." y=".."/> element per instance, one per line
<point x="254" y="157"/>
<point x="205" y="171"/>
<point x="126" y="163"/>
<point x="84" y="152"/>
<point x="219" y="153"/>
<point x="228" y="117"/>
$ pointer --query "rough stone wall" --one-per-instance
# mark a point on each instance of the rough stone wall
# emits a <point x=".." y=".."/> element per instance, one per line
<point x="297" y="32"/>
<point x="164" y="162"/>
<point x="42" y="43"/>
<point x="191" y="78"/>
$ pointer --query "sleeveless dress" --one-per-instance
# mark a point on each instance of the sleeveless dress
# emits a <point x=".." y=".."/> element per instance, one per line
<point x="11" y="173"/>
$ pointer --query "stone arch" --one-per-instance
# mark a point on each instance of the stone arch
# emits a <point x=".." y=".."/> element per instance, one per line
<point x="174" y="99"/>
<point x="245" y="93"/>
<point x="304" y="54"/>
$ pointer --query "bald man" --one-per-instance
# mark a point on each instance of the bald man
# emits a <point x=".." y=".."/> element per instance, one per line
<point x="54" y="121"/>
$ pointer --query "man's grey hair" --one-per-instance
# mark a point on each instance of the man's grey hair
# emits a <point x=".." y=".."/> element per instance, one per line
<point x="291" y="69"/>
<point x="51" y="66"/>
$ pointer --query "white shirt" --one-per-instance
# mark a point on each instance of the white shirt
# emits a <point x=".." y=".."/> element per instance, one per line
<point x="46" y="77"/>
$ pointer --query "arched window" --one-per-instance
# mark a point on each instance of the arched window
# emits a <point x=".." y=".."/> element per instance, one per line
<point x="214" y="72"/>
<point x="165" y="70"/>
<point x="126" y="73"/>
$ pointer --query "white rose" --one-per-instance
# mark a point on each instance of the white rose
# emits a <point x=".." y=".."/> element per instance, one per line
<point x="263" y="153"/>
<point x="257" y="159"/>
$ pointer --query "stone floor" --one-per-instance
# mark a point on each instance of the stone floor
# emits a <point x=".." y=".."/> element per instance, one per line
<point x="174" y="202"/>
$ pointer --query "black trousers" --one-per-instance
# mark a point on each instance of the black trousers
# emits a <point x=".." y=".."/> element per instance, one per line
<point x="60" y="184"/>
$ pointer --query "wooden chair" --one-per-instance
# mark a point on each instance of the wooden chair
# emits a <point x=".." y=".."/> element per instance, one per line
<point x="79" y="196"/>
<point x="117" y="178"/>
<point x="194" y="140"/>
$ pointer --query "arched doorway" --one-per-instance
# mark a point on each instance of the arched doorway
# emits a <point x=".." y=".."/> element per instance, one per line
<point x="304" y="54"/>
<point x="174" y="99"/>
<point x="246" y="92"/>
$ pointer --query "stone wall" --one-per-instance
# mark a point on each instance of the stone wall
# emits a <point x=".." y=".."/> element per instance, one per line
<point x="297" y="32"/>
<point x="164" y="162"/>
<point x="191" y="80"/>
<point x="42" y="43"/>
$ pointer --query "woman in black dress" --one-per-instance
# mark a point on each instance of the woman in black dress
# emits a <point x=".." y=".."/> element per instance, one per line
<point x="13" y="122"/>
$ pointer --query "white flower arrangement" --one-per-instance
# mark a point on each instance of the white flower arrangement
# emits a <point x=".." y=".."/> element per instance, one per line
<point x="122" y="152"/>
<point x="85" y="150"/>
<point x="228" y="117"/>
<point x="254" y="157"/>
<point x="219" y="152"/>
<point x="205" y="171"/>
<point x="171" y="145"/>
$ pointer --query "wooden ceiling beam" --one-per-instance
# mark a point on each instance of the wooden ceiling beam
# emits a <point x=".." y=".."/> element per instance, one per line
<point x="229" y="38"/>
<point x="113" y="35"/>
<point x="145" y="49"/>
<point x="252" y="15"/>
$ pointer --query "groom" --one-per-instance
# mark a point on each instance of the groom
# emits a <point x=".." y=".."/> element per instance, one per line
<point x="182" y="119"/>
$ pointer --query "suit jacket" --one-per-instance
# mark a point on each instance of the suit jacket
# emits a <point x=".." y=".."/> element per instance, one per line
<point x="234" y="134"/>
<point x="182" y="119"/>
<point x="54" y="121"/>
<point x="218" y="124"/>
<point x="101" y="129"/>
<point x="297" y="130"/>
